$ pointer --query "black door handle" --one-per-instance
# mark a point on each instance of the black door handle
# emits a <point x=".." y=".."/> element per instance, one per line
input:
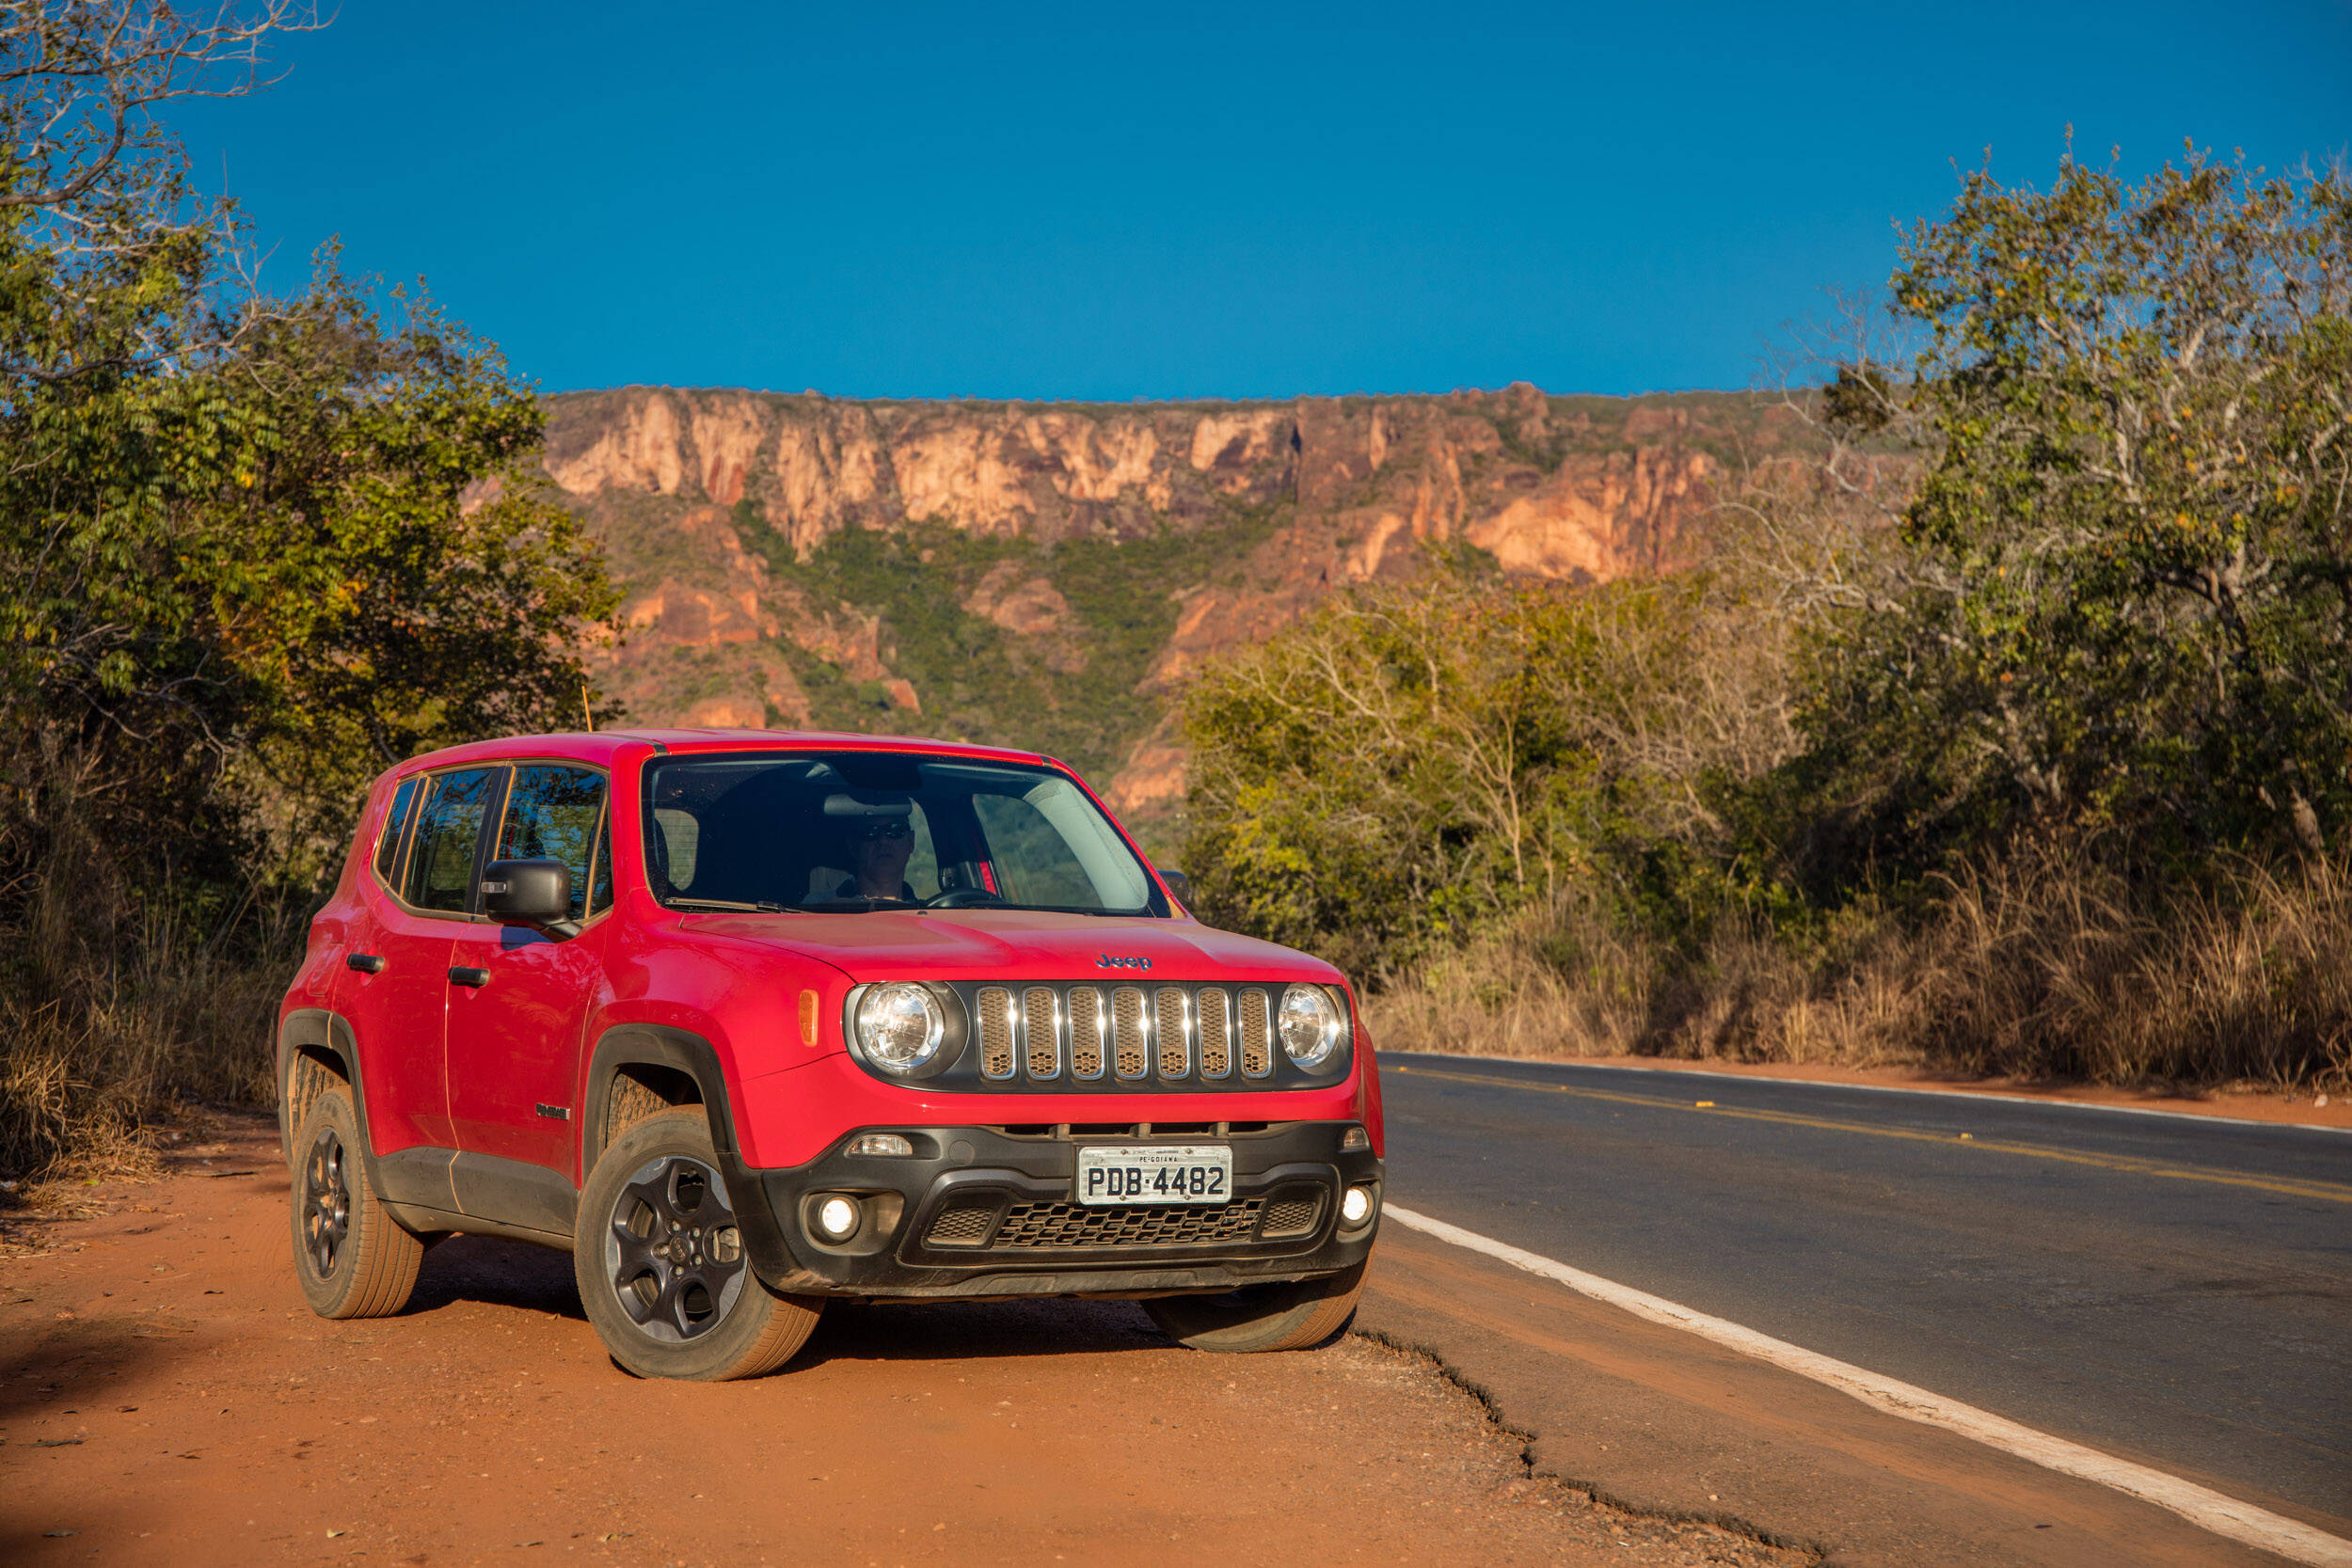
<point x="366" y="963"/>
<point x="476" y="978"/>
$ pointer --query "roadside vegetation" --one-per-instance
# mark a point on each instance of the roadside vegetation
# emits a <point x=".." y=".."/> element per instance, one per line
<point x="253" y="549"/>
<point x="2010" y="733"/>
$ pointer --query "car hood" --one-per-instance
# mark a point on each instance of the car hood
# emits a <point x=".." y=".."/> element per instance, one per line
<point x="1017" y="945"/>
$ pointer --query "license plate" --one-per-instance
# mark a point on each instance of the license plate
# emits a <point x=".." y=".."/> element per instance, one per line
<point x="1169" y="1173"/>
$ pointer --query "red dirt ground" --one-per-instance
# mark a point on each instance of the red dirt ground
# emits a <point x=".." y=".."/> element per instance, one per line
<point x="166" y="1398"/>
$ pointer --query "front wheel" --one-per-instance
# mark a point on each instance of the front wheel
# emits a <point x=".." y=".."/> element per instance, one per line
<point x="1295" y="1315"/>
<point x="660" y="1265"/>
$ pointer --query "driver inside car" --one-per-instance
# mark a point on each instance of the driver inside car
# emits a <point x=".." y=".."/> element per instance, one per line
<point x="878" y="851"/>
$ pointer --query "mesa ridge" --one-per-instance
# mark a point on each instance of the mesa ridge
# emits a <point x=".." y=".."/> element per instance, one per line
<point x="1047" y="574"/>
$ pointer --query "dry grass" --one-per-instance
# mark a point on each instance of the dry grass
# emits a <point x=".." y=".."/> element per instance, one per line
<point x="101" y="1050"/>
<point x="2046" y="966"/>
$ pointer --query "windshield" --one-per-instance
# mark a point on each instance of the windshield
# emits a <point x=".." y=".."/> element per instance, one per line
<point x="881" y="830"/>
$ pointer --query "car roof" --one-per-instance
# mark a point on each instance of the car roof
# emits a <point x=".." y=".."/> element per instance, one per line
<point x="605" y="747"/>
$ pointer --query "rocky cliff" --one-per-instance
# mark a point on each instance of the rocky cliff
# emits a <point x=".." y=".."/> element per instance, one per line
<point x="1046" y="573"/>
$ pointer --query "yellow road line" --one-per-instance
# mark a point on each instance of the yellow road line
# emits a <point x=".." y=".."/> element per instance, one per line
<point x="2330" y="1191"/>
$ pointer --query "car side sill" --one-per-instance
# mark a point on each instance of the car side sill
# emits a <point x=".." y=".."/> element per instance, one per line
<point x="483" y="1189"/>
<point x="515" y="1191"/>
<point x="418" y="1175"/>
<point x="427" y="1221"/>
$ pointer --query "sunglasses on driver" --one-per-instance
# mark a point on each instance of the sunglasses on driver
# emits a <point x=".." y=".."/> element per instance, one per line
<point x="889" y="828"/>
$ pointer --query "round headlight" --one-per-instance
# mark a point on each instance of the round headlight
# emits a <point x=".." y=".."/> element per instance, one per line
<point x="1309" y="1027"/>
<point x="901" y="1026"/>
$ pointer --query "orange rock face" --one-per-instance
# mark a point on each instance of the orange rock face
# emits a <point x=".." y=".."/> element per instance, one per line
<point x="719" y="508"/>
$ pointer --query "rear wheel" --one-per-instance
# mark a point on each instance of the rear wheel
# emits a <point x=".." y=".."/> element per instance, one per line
<point x="661" y="1264"/>
<point x="352" y="1258"/>
<point x="1296" y="1316"/>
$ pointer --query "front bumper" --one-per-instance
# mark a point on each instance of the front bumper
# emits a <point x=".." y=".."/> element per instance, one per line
<point x="987" y="1211"/>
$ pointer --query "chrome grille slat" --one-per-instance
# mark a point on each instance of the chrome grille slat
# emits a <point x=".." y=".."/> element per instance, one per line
<point x="1131" y="1033"/>
<point x="1086" y="1032"/>
<point x="1257" y="1035"/>
<point x="1175" y="1033"/>
<point x="1039" y="1028"/>
<point x="1213" y="1022"/>
<point x="996" y="1027"/>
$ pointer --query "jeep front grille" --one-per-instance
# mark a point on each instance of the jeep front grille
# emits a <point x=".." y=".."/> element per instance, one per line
<point x="1215" y="1019"/>
<point x="1257" y="1035"/>
<point x="1130" y="1035"/>
<point x="1134" y="1037"/>
<point x="1175" y="1032"/>
<point x="997" y="1026"/>
<point x="1086" y="1032"/>
<point x="1040" y="1026"/>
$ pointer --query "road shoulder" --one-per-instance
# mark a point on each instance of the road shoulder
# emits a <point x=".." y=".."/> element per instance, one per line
<point x="1665" y="1423"/>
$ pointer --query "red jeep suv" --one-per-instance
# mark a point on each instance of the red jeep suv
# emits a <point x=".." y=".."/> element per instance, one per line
<point x="747" y="1021"/>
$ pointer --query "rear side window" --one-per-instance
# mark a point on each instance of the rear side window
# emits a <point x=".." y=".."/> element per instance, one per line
<point x="556" y="813"/>
<point x="448" y="830"/>
<point x="388" y="848"/>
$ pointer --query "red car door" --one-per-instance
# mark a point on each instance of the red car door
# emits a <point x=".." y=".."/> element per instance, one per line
<point x="517" y="1012"/>
<point x="396" y="996"/>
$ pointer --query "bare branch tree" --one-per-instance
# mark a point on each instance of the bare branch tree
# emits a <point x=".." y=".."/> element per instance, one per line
<point x="80" y="81"/>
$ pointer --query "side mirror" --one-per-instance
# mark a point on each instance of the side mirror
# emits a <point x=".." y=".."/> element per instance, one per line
<point x="528" y="893"/>
<point x="1178" y="884"/>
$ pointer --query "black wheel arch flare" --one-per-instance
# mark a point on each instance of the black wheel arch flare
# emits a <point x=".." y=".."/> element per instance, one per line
<point x="626" y="1045"/>
<point x="324" y="1036"/>
<point x="661" y="1045"/>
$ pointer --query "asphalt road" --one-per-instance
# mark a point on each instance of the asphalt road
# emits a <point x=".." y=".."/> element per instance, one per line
<point x="2175" y="1291"/>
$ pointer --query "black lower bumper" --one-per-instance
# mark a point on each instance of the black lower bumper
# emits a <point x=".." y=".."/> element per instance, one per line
<point x="979" y="1211"/>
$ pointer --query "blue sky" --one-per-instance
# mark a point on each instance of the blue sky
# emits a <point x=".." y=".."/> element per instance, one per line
<point x="1112" y="201"/>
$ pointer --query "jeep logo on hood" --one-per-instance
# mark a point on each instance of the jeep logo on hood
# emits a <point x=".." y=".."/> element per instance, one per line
<point x="1117" y="961"/>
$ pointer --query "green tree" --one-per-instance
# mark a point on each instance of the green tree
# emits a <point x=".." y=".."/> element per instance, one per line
<point x="1412" y="762"/>
<point x="2120" y="599"/>
<point x="253" y="549"/>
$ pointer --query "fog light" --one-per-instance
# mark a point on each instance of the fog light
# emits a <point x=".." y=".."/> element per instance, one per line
<point x="878" y="1143"/>
<point x="1353" y="1139"/>
<point x="1356" y="1208"/>
<point x="838" y="1218"/>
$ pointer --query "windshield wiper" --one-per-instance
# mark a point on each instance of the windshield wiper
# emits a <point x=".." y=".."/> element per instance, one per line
<point x="859" y="904"/>
<point x="761" y="907"/>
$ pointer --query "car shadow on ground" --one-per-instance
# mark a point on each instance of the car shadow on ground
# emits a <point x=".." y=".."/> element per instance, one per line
<point x="496" y="1273"/>
<point x="501" y="1273"/>
<point x="954" y="1331"/>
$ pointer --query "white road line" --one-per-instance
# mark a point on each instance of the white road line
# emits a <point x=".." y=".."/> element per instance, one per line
<point x="2203" y="1507"/>
<point x="1997" y="1095"/>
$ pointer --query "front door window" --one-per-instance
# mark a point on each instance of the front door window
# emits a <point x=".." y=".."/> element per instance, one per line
<point x="555" y="813"/>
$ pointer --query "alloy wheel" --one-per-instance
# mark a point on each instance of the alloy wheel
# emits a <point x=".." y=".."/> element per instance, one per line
<point x="672" y="1249"/>
<point x="326" y="1203"/>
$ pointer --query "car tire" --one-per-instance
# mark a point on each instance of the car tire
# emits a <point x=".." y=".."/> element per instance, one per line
<point x="661" y="1261"/>
<point x="1299" y="1315"/>
<point x="351" y="1257"/>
